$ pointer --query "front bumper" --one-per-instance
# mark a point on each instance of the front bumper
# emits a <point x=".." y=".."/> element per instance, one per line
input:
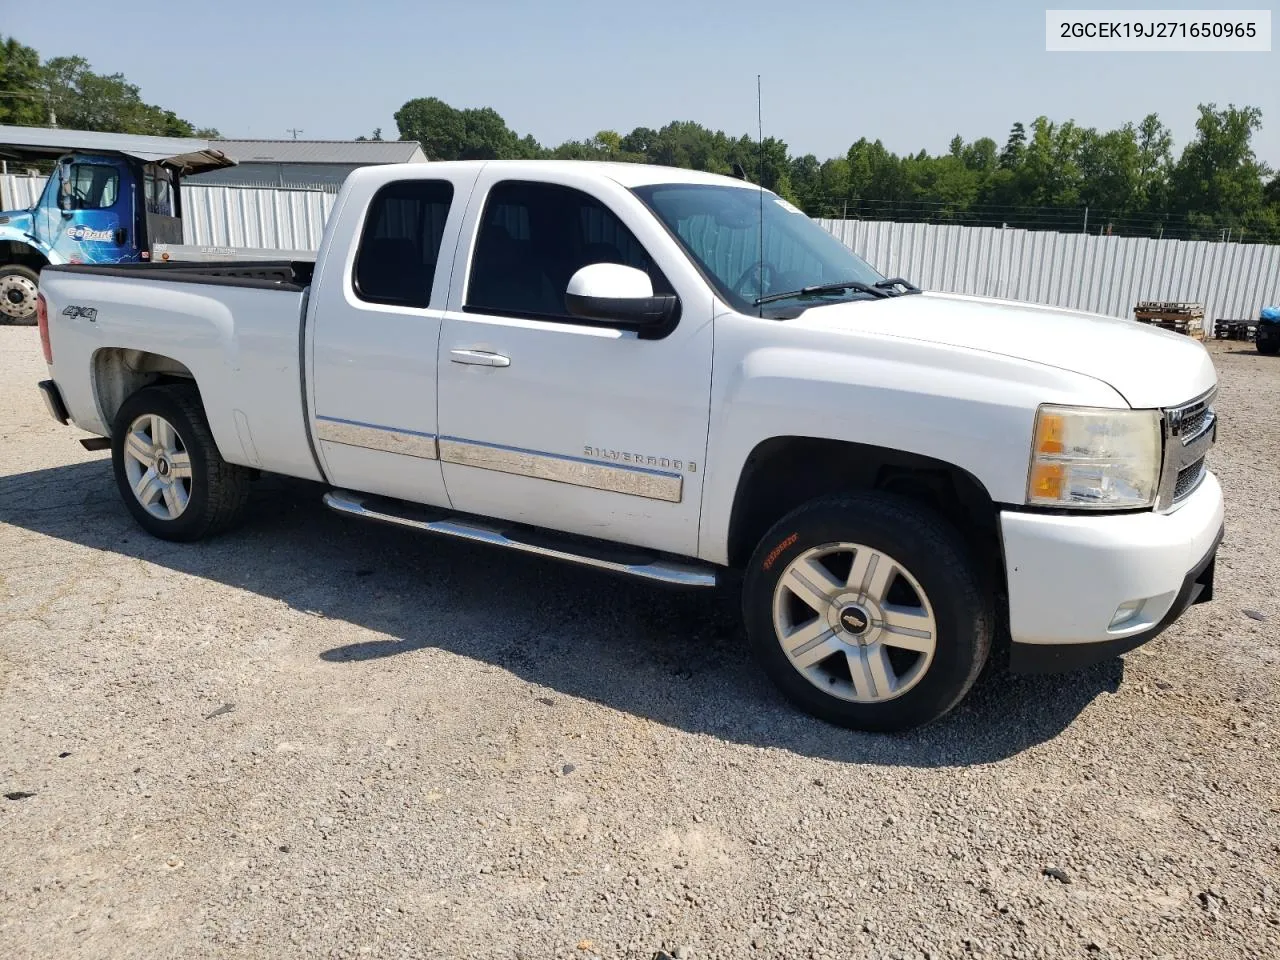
<point x="53" y="401"/>
<point x="1070" y="575"/>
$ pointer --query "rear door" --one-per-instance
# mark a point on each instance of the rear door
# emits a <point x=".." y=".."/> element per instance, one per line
<point x="549" y="419"/>
<point x="375" y="330"/>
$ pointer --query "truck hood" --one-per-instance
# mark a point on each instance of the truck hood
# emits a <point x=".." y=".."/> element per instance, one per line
<point x="1147" y="366"/>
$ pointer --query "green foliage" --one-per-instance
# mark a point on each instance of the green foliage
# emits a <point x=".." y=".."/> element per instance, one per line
<point x="1044" y="176"/>
<point x="22" y="101"/>
<point x="66" y="88"/>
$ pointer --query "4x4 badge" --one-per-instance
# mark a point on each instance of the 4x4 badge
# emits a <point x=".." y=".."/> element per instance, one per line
<point x="89" y="313"/>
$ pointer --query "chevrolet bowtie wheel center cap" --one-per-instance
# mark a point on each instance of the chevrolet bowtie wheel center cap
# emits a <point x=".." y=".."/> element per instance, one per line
<point x="854" y="620"/>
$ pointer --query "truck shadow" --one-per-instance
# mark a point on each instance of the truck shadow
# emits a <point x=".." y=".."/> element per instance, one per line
<point x="675" y="657"/>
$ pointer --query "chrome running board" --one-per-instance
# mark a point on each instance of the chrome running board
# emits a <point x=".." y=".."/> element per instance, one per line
<point x="632" y="562"/>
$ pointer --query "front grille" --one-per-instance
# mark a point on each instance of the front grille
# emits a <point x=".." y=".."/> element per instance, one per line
<point x="1189" y="478"/>
<point x="1189" y="433"/>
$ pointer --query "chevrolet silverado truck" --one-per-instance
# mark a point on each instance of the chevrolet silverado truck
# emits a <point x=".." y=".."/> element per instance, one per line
<point x="681" y="377"/>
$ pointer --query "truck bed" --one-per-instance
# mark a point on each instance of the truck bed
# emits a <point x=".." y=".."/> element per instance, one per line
<point x="268" y="274"/>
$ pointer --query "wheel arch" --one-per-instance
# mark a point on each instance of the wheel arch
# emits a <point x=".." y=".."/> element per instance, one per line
<point x="15" y="253"/>
<point x="785" y="472"/>
<point x="118" y="373"/>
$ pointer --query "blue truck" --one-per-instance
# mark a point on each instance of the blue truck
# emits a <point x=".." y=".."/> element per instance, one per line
<point x="109" y="200"/>
<point x="1267" y="338"/>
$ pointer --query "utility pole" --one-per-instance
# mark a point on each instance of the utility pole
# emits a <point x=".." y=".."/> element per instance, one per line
<point x="295" y="131"/>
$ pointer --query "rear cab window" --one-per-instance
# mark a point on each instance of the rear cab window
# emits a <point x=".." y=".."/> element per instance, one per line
<point x="400" y="243"/>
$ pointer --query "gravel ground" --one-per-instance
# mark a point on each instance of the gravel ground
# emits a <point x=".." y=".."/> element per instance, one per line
<point x="314" y="737"/>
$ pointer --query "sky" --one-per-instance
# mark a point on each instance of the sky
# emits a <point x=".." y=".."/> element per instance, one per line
<point x="912" y="73"/>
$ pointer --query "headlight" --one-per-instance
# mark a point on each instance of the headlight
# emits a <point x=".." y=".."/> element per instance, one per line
<point x="1094" y="459"/>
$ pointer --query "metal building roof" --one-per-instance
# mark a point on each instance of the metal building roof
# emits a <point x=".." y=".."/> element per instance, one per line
<point x="356" y="152"/>
<point x="188" y="154"/>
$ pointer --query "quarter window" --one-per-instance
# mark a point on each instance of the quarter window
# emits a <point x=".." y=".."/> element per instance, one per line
<point x="533" y="237"/>
<point x="400" y="245"/>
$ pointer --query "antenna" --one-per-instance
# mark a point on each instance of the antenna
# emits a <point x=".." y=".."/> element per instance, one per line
<point x="760" y="149"/>
<point x="295" y="131"/>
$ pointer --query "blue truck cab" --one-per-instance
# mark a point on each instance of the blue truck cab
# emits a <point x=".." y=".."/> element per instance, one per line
<point x="109" y="198"/>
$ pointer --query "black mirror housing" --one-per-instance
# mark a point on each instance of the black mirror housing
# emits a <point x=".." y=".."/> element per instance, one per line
<point x="634" y="312"/>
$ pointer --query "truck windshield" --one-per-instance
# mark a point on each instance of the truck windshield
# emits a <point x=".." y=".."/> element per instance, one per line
<point x="720" y="228"/>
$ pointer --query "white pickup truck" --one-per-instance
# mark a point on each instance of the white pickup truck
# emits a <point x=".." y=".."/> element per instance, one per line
<point x="599" y="363"/>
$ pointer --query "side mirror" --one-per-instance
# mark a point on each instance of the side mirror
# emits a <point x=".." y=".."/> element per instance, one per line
<point x="613" y="293"/>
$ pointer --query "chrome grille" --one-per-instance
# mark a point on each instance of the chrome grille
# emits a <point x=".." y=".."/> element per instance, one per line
<point x="1189" y="433"/>
<point x="1189" y="478"/>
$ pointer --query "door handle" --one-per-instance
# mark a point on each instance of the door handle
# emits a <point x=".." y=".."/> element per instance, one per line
<point x="480" y="358"/>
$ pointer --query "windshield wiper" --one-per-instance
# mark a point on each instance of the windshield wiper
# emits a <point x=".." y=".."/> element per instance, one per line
<point x="889" y="284"/>
<point x="856" y="285"/>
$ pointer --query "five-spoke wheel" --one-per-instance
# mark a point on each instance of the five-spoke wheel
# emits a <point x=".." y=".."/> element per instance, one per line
<point x="854" y="622"/>
<point x="158" y="466"/>
<point x="867" y="610"/>
<point x="168" y="468"/>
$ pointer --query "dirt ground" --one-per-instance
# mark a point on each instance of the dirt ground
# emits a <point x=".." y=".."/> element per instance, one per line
<point x="313" y="737"/>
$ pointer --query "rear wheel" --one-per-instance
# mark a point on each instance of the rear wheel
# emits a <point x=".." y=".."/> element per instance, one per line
<point x="18" y="288"/>
<point x="168" y="469"/>
<point x="868" y="612"/>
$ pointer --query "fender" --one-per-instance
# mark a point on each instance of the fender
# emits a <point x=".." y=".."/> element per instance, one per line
<point x="968" y="408"/>
<point x="17" y="231"/>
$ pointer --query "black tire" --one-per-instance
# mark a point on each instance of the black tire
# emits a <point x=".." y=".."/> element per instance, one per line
<point x="1268" y="346"/>
<point x="218" y="490"/>
<point x="27" y="315"/>
<point x="931" y="551"/>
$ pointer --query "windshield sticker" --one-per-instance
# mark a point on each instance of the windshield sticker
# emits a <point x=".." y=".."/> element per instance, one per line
<point x="790" y="208"/>
<point x="80" y="233"/>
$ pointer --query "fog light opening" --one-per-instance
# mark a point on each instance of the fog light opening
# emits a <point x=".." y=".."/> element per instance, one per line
<point x="1126" y="613"/>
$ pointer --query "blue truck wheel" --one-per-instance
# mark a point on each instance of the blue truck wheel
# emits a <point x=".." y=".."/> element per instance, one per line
<point x="18" y="288"/>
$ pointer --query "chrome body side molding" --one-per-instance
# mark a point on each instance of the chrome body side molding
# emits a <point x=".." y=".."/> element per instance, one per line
<point x="353" y="433"/>
<point x="634" y="481"/>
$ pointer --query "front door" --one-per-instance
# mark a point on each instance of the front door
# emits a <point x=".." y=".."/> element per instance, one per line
<point x="551" y="420"/>
<point x="85" y="215"/>
<point x="374" y="330"/>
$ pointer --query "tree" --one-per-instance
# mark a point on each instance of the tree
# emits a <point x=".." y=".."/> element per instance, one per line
<point x="1050" y="170"/>
<point x="1155" y="163"/>
<point x="1110" y="168"/>
<point x="447" y="133"/>
<point x="1014" y="147"/>
<point x="22" y="99"/>
<point x="1218" y="180"/>
<point x="85" y="100"/>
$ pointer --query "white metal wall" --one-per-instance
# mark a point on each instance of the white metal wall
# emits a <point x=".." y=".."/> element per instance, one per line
<point x="223" y="216"/>
<point x="254" y="217"/>
<point x="1101" y="274"/>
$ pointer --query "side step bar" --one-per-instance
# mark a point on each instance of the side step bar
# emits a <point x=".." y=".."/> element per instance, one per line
<point x="624" y="560"/>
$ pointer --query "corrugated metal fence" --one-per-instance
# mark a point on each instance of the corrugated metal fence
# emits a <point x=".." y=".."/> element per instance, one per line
<point x="1085" y="272"/>
<point x="254" y="216"/>
<point x="1101" y="274"/>
<point x="223" y="216"/>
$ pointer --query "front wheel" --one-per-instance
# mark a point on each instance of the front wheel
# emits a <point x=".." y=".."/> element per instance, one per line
<point x="168" y="469"/>
<point x="18" y="288"/>
<point x="1268" y="346"/>
<point x="867" y="611"/>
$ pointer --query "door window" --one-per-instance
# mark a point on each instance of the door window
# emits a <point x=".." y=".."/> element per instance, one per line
<point x="400" y="244"/>
<point x="93" y="186"/>
<point x="533" y="237"/>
